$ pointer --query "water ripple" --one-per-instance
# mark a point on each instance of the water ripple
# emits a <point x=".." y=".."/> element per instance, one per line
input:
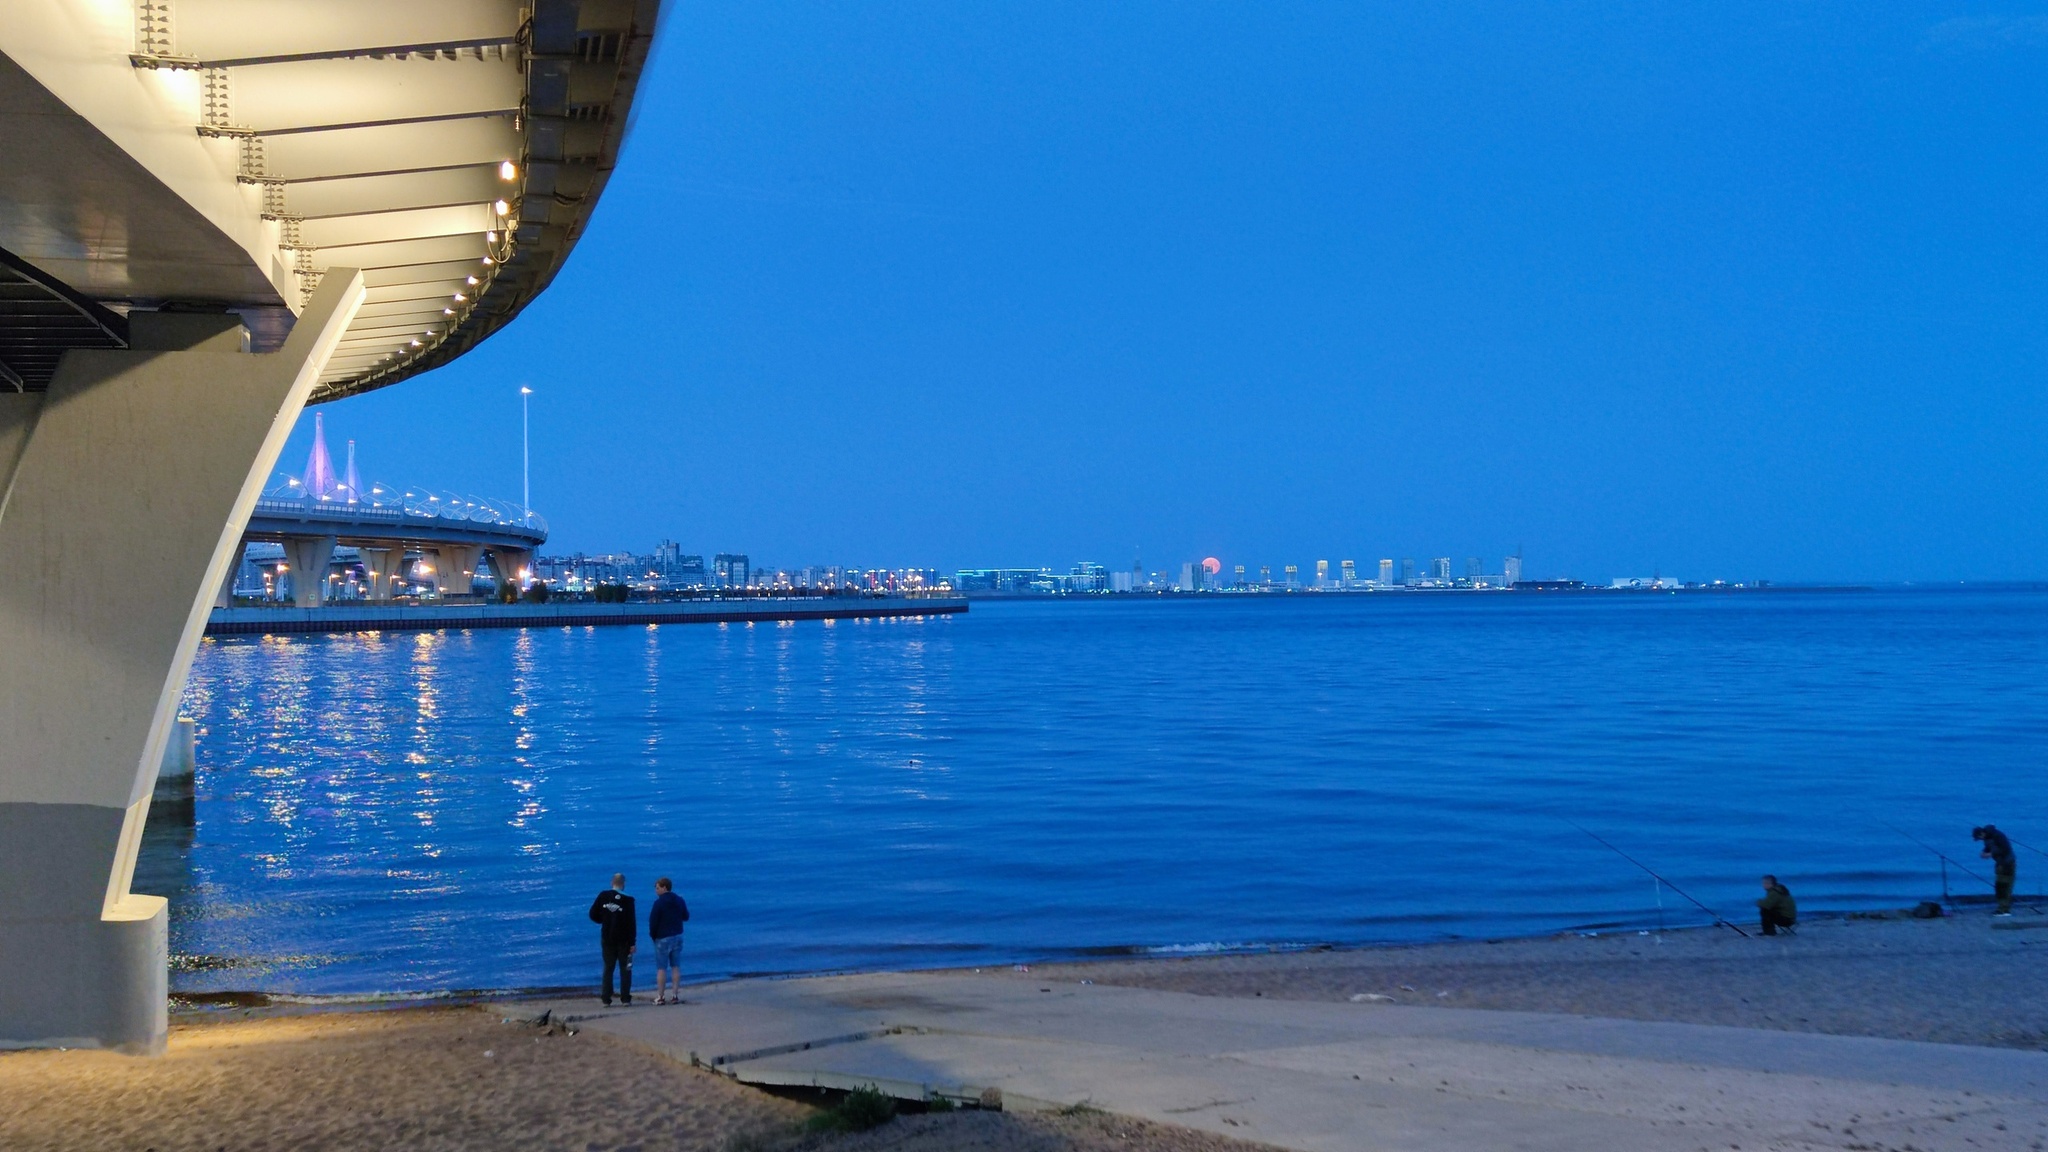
<point x="384" y="813"/>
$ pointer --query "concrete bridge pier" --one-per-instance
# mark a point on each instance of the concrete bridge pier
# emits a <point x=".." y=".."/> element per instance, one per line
<point x="507" y="563"/>
<point x="158" y="450"/>
<point x="455" y="568"/>
<point x="309" y="558"/>
<point x="381" y="565"/>
<point x="225" y="597"/>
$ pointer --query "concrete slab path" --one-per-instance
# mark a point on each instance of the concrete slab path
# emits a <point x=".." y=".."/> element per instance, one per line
<point x="1324" y="1077"/>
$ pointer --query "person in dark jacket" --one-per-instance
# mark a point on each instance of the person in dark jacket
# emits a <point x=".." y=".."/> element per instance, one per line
<point x="617" y="934"/>
<point x="665" y="929"/>
<point x="1998" y="848"/>
<point x="1777" y="909"/>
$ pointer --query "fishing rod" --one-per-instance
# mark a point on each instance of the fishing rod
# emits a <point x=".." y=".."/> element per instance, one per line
<point x="1947" y="860"/>
<point x="2040" y="892"/>
<point x="1719" y="920"/>
<point x="2027" y="846"/>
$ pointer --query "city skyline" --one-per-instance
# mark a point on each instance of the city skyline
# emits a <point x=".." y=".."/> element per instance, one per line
<point x="1665" y="287"/>
<point x="670" y="566"/>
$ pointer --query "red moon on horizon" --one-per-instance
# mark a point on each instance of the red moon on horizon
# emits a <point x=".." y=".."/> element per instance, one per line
<point x="1212" y="565"/>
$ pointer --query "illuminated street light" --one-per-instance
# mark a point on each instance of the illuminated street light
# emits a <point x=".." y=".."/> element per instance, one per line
<point x="525" y="454"/>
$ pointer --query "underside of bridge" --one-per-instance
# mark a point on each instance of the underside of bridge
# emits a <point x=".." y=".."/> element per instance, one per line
<point x="213" y="212"/>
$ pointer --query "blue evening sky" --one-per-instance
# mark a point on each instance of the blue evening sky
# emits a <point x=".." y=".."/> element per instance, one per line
<point x="1716" y="290"/>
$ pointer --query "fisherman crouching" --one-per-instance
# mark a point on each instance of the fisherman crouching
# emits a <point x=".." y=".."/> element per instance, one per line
<point x="1777" y="909"/>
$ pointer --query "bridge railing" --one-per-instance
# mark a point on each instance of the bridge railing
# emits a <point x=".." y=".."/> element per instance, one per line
<point x="391" y="506"/>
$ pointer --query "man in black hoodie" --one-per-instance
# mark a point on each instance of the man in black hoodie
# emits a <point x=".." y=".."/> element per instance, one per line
<point x="617" y="933"/>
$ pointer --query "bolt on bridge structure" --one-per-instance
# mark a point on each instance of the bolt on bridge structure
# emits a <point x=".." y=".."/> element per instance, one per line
<point x="213" y="212"/>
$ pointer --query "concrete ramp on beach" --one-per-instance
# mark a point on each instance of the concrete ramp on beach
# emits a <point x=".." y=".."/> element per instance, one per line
<point x="1321" y="1076"/>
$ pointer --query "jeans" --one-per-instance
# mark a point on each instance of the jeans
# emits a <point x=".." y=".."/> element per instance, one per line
<point x="2004" y="876"/>
<point x="618" y="956"/>
<point x="668" y="954"/>
<point x="1772" y="922"/>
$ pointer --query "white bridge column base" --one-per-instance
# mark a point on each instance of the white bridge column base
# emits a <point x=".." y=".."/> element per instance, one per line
<point x="77" y="975"/>
<point x="158" y="451"/>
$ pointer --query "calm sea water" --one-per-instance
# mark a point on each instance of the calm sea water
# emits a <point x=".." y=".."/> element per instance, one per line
<point x="409" y="812"/>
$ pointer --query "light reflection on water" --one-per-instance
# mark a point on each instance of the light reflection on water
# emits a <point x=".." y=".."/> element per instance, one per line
<point x="387" y="812"/>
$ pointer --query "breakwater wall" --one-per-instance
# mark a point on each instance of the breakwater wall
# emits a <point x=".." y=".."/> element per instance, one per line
<point x="430" y="617"/>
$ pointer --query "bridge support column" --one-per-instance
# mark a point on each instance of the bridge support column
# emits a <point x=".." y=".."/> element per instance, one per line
<point x="225" y="598"/>
<point x="507" y="563"/>
<point x="381" y="564"/>
<point x="309" y="557"/>
<point x="157" y="451"/>
<point x="455" y="568"/>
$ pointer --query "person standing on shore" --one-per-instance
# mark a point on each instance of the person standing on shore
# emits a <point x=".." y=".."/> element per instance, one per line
<point x="617" y="935"/>
<point x="2004" y="865"/>
<point x="665" y="928"/>
<point x="1777" y="909"/>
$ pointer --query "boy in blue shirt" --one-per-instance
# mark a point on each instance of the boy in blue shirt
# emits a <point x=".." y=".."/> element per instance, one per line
<point x="665" y="927"/>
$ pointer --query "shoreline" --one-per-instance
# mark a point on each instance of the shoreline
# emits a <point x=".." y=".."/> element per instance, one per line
<point x="441" y="617"/>
<point x="1964" y="978"/>
<point x="473" y="1076"/>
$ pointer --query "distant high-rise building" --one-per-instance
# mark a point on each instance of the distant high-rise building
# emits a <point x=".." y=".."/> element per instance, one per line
<point x="1293" y="573"/>
<point x="1348" y="572"/>
<point x="1407" y="570"/>
<point x="666" y="554"/>
<point x="1266" y="574"/>
<point x="1472" y="569"/>
<point x="1386" y="572"/>
<point x="1123" y="581"/>
<point x="1514" y="570"/>
<point x="1239" y="570"/>
<point x="1441" y="568"/>
<point x="730" y="570"/>
<point x="1087" y="577"/>
<point x="1322" y="573"/>
<point x="1190" y="577"/>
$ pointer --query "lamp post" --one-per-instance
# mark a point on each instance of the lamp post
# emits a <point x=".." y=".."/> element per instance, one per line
<point x="525" y="454"/>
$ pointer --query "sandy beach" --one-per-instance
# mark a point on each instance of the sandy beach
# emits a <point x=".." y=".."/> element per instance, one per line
<point x="461" y="1079"/>
<point x="1958" y="980"/>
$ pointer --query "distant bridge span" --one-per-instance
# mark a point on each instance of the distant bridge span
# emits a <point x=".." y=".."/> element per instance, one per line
<point x="320" y="509"/>
<point x="310" y="531"/>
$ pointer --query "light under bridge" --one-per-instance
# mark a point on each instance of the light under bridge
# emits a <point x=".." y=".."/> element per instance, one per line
<point x="213" y="212"/>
